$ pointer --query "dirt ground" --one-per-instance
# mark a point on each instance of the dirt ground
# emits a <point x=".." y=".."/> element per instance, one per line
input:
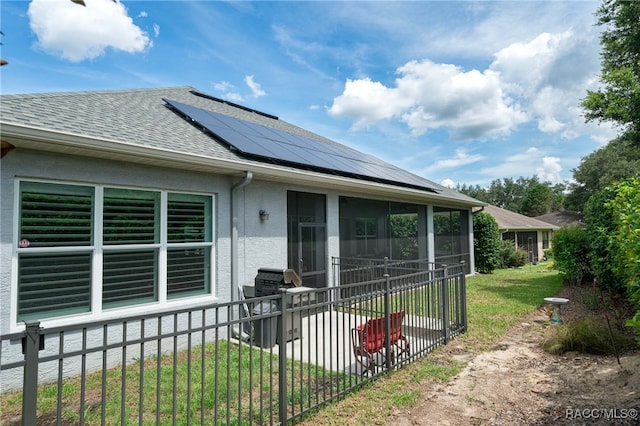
<point x="516" y="382"/>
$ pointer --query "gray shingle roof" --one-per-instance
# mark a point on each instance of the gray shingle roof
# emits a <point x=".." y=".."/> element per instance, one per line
<point x="563" y="218"/>
<point x="508" y="220"/>
<point x="140" y="117"/>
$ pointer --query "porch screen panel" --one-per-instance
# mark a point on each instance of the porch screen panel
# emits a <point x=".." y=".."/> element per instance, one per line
<point x="51" y="285"/>
<point x="451" y="235"/>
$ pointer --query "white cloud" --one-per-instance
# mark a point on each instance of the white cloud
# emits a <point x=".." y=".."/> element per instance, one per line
<point x="471" y="104"/>
<point x="256" y="89"/>
<point x="550" y="170"/>
<point x="229" y="91"/>
<point x="531" y="162"/>
<point x="448" y="183"/>
<point x="223" y="86"/>
<point x="462" y="158"/>
<point x="77" y="33"/>
<point x="156" y="30"/>
<point x="234" y="97"/>
<point x="541" y="80"/>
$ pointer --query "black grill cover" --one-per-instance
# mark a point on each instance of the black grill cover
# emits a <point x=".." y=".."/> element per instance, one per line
<point x="269" y="281"/>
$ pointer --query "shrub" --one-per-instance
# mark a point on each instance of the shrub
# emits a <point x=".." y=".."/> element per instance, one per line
<point x="625" y="261"/>
<point x="571" y="254"/>
<point x="587" y="336"/>
<point x="600" y="219"/>
<point x="511" y="256"/>
<point x="486" y="242"/>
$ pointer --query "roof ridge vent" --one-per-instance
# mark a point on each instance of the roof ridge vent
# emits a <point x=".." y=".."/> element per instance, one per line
<point x="222" y="101"/>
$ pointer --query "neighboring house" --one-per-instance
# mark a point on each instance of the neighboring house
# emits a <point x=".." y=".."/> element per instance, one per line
<point x="117" y="202"/>
<point x="563" y="218"/>
<point x="528" y="233"/>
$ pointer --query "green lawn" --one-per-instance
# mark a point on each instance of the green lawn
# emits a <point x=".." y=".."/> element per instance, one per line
<point x="494" y="303"/>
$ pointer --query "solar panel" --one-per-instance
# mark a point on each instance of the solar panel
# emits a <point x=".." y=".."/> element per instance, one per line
<point x="252" y="139"/>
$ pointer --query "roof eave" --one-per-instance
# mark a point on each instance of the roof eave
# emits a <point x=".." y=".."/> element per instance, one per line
<point x="28" y="137"/>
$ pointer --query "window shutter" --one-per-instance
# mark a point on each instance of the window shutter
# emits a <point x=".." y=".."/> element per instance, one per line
<point x="53" y="285"/>
<point x="129" y="277"/>
<point x="189" y="218"/>
<point x="188" y="222"/>
<point x="188" y="271"/>
<point x="54" y="215"/>
<point x="131" y="217"/>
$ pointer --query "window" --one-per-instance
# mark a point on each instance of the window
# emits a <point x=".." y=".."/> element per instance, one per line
<point x="545" y="240"/>
<point x="131" y="236"/>
<point x="56" y="243"/>
<point x="189" y="251"/>
<point x="67" y="231"/>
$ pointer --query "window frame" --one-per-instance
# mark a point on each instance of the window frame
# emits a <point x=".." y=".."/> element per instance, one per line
<point x="98" y="247"/>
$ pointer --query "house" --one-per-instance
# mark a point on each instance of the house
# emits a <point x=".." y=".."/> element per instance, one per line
<point x="117" y="202"/>
<point x="528" y="233"/>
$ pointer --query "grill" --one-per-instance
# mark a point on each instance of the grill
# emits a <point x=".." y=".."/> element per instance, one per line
<point x="269" y="281"/>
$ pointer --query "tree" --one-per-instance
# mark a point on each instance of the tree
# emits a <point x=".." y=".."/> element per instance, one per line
<point x="610" y="164"/>
<point x="510" y="194"/>
<point x="486" y="242"/>
<point x="474" y="191"/>
<point x="619" y="100"/>
<point x="538" y="200"/>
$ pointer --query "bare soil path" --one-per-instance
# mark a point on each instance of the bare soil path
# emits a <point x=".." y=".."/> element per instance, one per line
<point x="516" y="382"/>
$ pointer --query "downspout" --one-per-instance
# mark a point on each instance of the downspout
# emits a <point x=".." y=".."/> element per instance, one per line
<point x="236" y="291"/>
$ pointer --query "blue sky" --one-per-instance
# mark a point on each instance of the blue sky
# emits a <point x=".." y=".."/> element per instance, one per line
<point x="458" y="92"/>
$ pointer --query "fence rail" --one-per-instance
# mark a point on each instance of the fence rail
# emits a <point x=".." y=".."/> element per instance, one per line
<point x="264" y="360"/>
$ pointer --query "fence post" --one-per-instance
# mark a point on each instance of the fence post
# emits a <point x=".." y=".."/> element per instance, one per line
<point x="446" y="323"/>
<point x="282" y="359"/>
<point x="387" y="321"/>
<point x="463" y="296"/>
<point x="31" y="345"/>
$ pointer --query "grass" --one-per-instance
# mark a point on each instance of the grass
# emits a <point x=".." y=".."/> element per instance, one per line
<point x="494" y="303"/>
<point x="230" y="395"/>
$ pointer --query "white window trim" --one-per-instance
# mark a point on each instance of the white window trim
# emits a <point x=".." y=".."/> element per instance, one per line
<point x="97" y="312"/>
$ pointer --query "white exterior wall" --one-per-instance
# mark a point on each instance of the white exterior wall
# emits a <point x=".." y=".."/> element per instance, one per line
<point x="262" y="244"/>
<point x="69" y="169"/>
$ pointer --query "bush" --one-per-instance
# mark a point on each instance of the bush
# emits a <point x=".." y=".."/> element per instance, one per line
<point x="571" y="254"/>
<point x="600" y="220"/>
<point x="486" y="242"/>
<point x="512" y="256"/>
<point x="625" y="260"/>
<point x="587" y="336"/>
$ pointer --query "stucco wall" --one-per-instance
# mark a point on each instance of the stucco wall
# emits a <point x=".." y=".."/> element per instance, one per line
<point x="38" y="165"/>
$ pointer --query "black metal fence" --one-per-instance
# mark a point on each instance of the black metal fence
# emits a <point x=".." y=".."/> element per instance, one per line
<point x="264" y="360"/>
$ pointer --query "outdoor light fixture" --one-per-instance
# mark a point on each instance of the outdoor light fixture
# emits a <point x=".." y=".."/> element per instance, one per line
<point x="264" y="216"/>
